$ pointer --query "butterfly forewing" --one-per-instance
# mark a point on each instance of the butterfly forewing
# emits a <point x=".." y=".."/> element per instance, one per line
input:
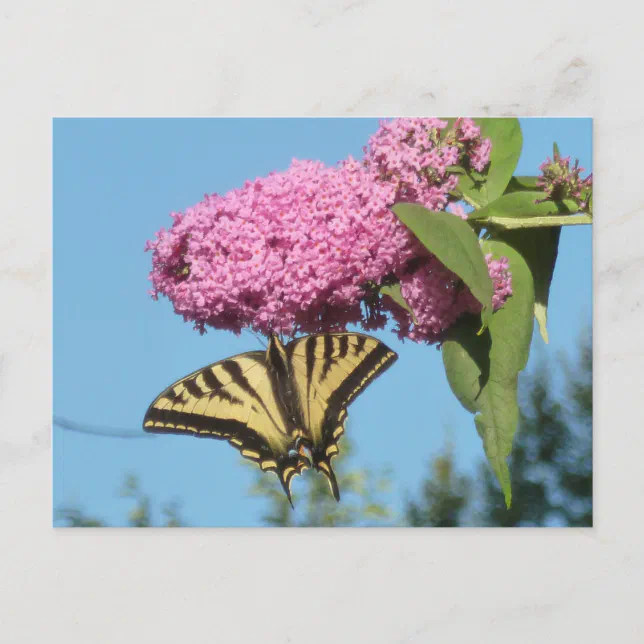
<point x="230" y="400"/>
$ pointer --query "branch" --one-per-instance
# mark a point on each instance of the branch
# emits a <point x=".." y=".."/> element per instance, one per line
<point x="512" y="223"/>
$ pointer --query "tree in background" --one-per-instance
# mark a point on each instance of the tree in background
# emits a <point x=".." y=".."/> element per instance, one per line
<point x="551" y="461"/>
<point x="75" y="518"/>
<point x="444" y="495"/>
<point x="363" y="504"/>
<point x="138" y="517"/>
<point x="364" y="494"/>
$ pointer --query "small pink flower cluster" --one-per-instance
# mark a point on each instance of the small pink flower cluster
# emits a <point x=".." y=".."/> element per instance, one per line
<point x="408" y="154"/>
<point x="476" y="149"/>
<point x="499" y="270"/>
<point x="438" y="298"/>
<point x="304" y="250"/>
<point x="560" y="182"/>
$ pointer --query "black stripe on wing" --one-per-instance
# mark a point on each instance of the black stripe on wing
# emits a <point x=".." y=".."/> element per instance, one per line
<point x="359" y="346"/>
<point x="374" y="364"/>
<point x="170" y="421"/>
<point x="309" y="349"/>
<point x="344" y="346"/>
<point x="211" y="381"/>
<point x="327" y="360"/>
<point x="237" y="375"/>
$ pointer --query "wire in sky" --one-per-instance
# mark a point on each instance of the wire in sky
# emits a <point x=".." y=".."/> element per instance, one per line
<point x="98" y="430"/>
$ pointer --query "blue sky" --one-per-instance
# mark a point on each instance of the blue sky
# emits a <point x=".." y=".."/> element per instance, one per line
<point x="115" y="349"/>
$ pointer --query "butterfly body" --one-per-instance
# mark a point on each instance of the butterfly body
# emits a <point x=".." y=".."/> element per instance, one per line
<point x="281" y="376"/>
<point x="284" y="408"/>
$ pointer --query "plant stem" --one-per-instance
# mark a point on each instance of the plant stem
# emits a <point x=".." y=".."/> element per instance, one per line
<point x="511" y="223"/>
<point x="470" y="201"/>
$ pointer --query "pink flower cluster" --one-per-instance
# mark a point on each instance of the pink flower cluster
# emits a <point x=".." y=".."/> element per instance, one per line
<point x="305" y="250"/>
<point x="404" y="154"/>
<point x="286" y="252"/>
<point x="438" y="298"/>
<point x="560" y="182"/>
<point x="412" y="157"/>
<point x="499" y="270"/>
<point x="477" y="150"/>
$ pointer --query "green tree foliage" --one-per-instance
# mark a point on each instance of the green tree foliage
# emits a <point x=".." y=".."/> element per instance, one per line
<point x="140" y="516"/>
<point x="444" y="496"/>
<point x="75" y="518"/>
<point x="363" y="493"/>
<point x="551" y="462"/>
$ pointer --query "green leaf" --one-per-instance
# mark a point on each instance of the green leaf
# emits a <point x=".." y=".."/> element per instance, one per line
<point x="517" y="205"/>
<point x="483" y="370"/>
<point x="522" y="184"/>
<point x="507" y="141"/>
<point x="394" y="293"/>
<point x="540" y="248"/>
<point x="456" y="245"/>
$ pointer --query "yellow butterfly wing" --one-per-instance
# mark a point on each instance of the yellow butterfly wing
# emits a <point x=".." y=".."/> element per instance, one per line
<point x="231" y="400"/>
<point x="329" y="371"/>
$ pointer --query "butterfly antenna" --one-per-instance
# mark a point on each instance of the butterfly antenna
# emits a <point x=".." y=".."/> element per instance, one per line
<point x="257" y="337"/>
<point x="261" y="340"/>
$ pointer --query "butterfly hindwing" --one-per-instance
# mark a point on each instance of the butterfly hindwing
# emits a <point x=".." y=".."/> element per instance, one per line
<point x="329" y="372"/>
<point x="230" y="400"/>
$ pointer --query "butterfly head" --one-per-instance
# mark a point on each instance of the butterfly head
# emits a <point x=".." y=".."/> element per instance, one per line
<point x="293" y="463"/>
<point x="299" y="453"/>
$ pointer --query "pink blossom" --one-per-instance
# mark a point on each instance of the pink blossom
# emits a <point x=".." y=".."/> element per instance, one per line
<point x="467" y="130"/>
<point x="305" y="250"/>
<point x="438" y="298"/>
<point x="458" y="210"/>
<point x="480" y="155"/>
<point x="285" y="253"/>
<point x="499" y="270"/>
<point x="404" y="155"/>
<point x="474" y="147"/>
<point x="560" y="182"/>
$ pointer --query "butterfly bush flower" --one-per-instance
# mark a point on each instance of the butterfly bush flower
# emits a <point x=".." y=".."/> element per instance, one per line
<point x="411" y="155"/>
<point x="476" y="149"/>
<point x="287" y="252"/>
<point x="560" y="182"/>
<point x="458" y="210"/>
<point x="305" y="250"/>
<point x="405" y="154"/>
<point x="438" y="298"/>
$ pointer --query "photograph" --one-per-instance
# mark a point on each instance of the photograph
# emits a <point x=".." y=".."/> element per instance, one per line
<point x="367" y="322"/>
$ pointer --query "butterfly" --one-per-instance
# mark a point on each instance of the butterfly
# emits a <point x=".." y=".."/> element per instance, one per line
<point x="284" y="408"/>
